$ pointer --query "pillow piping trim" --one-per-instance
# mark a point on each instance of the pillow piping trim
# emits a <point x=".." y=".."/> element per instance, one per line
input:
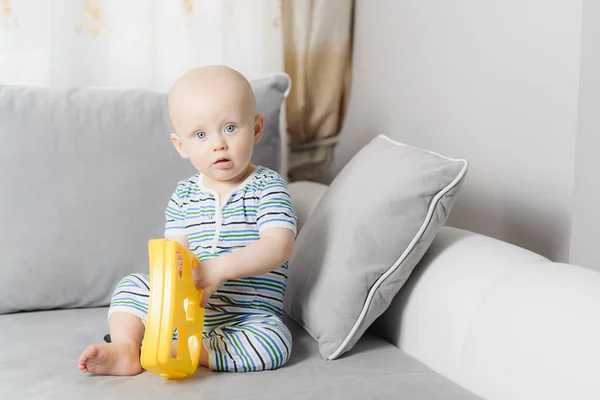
<point x="409" y="248"/>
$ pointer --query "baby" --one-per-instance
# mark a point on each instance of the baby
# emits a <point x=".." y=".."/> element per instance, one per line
<point x="239" y="221"/>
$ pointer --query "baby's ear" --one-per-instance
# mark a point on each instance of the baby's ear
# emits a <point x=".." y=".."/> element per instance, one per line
<point x="259" y="126"/>
<point x="178" y="145"/>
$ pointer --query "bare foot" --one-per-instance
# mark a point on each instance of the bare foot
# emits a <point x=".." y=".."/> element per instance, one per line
<point x="111" y="359"/>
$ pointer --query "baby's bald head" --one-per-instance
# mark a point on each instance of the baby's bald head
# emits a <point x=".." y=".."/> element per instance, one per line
<point x="215" y="85"/>
<point x="213" y="113"/>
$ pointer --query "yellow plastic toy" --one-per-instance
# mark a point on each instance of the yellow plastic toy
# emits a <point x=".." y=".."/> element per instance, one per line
<point x="174" y="303"/>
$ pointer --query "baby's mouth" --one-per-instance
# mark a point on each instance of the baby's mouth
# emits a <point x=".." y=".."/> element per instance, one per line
<point x="221" y="161"/>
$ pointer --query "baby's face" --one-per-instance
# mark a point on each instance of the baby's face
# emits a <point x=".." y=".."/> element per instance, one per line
<point x="217" y="128"/>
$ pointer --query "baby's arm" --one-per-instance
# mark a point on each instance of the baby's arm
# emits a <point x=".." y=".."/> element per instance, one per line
<point x="271" y="251"/>
<point x="276" y="223"/>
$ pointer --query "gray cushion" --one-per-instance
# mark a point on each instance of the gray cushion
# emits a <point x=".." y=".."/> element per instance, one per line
<point x="40" y="351"/>
<point x="85" y="176"/>
<point x="365" y="236"/>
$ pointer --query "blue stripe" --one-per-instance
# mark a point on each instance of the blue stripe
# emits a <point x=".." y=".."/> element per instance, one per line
<point x="240" y="213"/>
<point x="281" y="328"/>
<point x="278" y="185"/>
<point x="129" y="298"/>
<point x="286" y="199"/>
<point x="248" y="354"/>
<point x="264" y="209"/>
<point x="242" y="361"/>
<point x="270" y="289"/>
<point x="145" y="311"/>
<point x="230" y="302"/>
<point x="174" y="210"/>
<point x="246" y="285"/>
<point x="201" y="208"/>
<point x="200" y="240"/>
<point x="270" y="338"/>
<point x="238" y="231"/>
<point x="257" y="278"/>
<point x="128" y="283"/>
<point x="217" y="315"/>
<point x="215" y="324"/>
<point x="258" y="339"/>
<point x="225" y="358"/>
<point x="276" y="220"/>
<point x="216" y="351"/>
<point x="245" y="350"/>
<point x="246" y="239"/>
<point x="268" y="304"/>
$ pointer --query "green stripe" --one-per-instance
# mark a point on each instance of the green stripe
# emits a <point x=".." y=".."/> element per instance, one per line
<point x="247" y="210"/>
<point x="241" y="350"/>
<point x="127" y="282"/>
<point x="215" y="351"/>
<point x="283" y="330"/>
<point x="280" y="287"/>
<point x="265" y="340"/>
<point x="219" y="319"/>
<point x="128" y="303"/>
<point x="189" y="190"/>
<point x="241" y="235"/>
<point x="266" y="307"/>
<point x="273" y="182"/>
<point x="282" y="203"/>
<point x="231" y="302"/>
<point x="207" y="211"/>
<point x="206" y="235"/>
<point x="172" y="213"/>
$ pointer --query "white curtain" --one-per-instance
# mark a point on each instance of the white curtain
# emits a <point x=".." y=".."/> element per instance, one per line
<point x="135" y="43"/>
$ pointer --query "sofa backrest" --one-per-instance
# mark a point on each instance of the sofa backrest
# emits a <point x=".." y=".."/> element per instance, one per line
<point x="85" y="176"/>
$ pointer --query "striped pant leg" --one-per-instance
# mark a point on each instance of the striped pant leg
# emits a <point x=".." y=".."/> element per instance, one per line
<point x="131" y="296"/>
<point x="255" y="344"/>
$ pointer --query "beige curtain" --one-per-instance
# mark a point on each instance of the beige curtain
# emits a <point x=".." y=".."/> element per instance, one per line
<point x="317" y="55"/>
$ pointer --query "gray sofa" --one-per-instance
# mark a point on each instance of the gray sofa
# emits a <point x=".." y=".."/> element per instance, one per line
<point x="478" y="318"/>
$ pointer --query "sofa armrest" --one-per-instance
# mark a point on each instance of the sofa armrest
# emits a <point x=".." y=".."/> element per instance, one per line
<point x="500" y="320"/>
<point x="305" y="197"/>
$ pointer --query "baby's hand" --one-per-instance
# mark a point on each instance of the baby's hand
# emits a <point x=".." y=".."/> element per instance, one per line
<point x="209" y="276"/>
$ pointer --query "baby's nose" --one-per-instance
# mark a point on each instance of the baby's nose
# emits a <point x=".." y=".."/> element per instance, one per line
<point x="219" y="144"/>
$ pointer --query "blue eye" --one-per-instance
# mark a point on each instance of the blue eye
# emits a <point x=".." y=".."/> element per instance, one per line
<point x="230" y="128"/>
<point x="200" y="135"/>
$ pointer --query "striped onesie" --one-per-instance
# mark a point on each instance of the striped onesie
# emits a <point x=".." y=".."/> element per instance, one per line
<point x="243" y="321"/>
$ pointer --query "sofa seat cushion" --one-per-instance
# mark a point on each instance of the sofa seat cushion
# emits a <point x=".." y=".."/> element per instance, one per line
<point x="40" y="351"/>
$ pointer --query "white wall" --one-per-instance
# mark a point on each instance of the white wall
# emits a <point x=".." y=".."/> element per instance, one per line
<point x="493" y="82"/>
<point x="585" y="238"/>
